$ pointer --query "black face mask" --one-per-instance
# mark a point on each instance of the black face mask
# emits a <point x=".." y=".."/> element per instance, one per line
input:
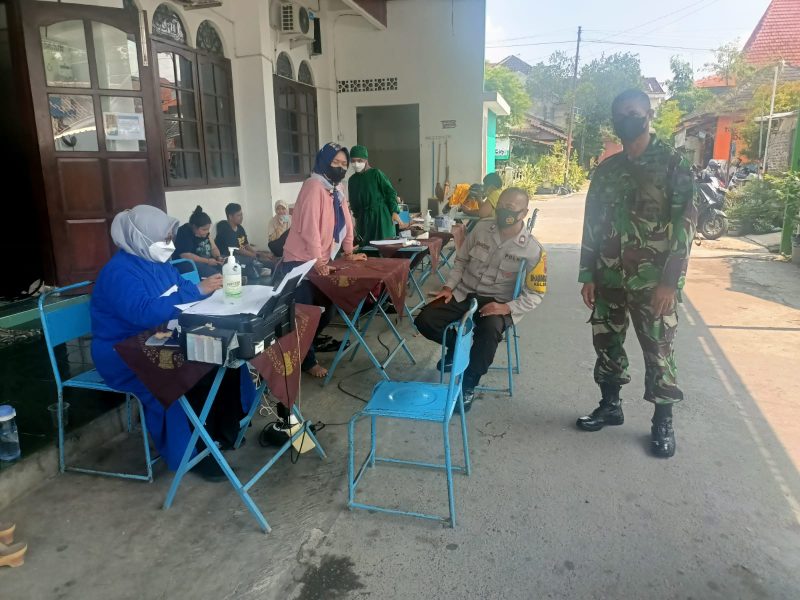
<point x="506" y="217"/>
<point x="335" y="174"/>
<point x="629" y="127"/>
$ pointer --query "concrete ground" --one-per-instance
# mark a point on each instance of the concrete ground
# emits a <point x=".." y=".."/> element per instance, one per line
<point x="548" y="512"/>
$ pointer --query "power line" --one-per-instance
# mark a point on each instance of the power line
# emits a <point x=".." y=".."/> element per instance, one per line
<point x="664" y="16"/>
<point x="532" y="44"/>
<point x="650" y="45"/>
<point x="669" y="47"/>
<point x="528" y="37"/>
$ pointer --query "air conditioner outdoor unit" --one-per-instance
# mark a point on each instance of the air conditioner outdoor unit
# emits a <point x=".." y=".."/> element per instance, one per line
<point x="295" y="21"/>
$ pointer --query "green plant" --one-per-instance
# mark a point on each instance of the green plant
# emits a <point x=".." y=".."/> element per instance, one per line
<point x="548" y="171"/>
<point x="789" y="191"/>
<point x="760" y="205"/>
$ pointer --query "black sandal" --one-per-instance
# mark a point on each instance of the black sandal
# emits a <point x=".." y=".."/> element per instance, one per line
<point x="329" y="345"/>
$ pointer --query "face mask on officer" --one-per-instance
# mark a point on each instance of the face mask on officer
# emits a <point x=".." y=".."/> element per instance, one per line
<point x="506" y="217"/>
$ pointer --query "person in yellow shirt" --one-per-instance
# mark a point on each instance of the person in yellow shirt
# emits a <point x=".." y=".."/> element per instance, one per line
<point x="492" y="187"/>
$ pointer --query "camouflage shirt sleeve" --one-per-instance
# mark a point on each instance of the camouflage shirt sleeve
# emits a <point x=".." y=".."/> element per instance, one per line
<point x="683" y="223"/>
<point x="590" y="243"/>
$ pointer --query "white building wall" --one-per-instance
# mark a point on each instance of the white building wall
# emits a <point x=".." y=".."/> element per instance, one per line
<point x="437" y="57"/>
<point x="434" y="48"/>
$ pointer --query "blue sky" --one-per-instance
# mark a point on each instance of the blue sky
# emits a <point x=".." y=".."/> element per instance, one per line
<point x="696" y="24"/>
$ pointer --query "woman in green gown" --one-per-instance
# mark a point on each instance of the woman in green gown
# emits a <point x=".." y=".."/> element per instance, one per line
<point x="372" y="199"/>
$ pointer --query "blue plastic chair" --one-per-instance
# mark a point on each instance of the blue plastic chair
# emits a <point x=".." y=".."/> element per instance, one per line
<point x="193" y="275"/>
<point x="417" y="401"/>
<point x="62" y="323"/>
<point x="532" y="220"/>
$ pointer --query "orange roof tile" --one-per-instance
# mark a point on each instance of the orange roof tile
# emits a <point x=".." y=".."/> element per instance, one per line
<point x="777" y="35"/>
<point x="714" y="81"/>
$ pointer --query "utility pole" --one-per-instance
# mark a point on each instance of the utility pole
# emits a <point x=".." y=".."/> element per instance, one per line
<point x="572" y="108"/>
<point x="778" y="68"/>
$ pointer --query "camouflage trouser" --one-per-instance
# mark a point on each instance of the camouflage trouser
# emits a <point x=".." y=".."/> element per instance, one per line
<point x="609" y="326"/>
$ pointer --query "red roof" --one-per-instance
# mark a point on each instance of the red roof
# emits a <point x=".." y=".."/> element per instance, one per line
<point x="777" y="35"/>
<point x="714" y="81"/>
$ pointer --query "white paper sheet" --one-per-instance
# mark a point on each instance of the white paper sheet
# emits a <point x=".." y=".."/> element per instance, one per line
<point x="385" y="242"/>
<point x="254" y="297"/>
<point x="170" y="291"/>
<point x="301" y="270"/>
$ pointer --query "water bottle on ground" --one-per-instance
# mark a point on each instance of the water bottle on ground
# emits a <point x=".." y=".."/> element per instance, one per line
<point x="9" y="437"/>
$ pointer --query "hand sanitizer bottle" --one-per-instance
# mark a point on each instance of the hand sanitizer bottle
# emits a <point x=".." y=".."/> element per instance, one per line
<point x="232" y="279"/>
<point x="428" y="219"/>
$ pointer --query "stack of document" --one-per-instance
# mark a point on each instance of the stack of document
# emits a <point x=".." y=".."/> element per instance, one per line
<point x="252" y="300"/>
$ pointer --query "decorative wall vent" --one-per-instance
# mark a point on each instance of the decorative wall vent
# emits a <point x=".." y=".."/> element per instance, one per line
<point x="195" y="4"/>
<point x="379" y="84"/>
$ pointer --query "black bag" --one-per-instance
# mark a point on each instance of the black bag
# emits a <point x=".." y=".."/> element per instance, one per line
<point x="276" y="246"/>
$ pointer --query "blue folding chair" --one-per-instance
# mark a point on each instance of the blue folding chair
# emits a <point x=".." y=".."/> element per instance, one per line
<point x="192" y="275"/>
<point x="532" y="220"/>
<point x="62" y="323"/>
<point x="417" y="401"/>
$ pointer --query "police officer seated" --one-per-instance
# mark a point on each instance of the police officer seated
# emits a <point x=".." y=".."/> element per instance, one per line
<point x="486" y="268"/>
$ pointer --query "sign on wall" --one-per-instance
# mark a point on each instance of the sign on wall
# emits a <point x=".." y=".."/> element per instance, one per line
<point x="502" y="148"/>
<point x="449" y="124"/>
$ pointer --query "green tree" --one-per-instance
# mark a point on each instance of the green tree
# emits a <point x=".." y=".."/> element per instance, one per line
<point x="599" y="83"/>
<point x="507" y="83"/>
<point x="682" y="89"/>
<point x="668" y="116"/>
<point x="682" y="76"/>
<point x="551" y="82"/>
<point x="729" y="64"/>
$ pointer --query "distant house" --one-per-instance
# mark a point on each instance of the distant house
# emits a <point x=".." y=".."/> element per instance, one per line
<point x="654" y="91"/>
<point x="713" y="133"/>
<point x="708" y="134"/>
<point x="777" y="35"/>
<point x="716" y="84"/>
<point x="517" y="65"/>
<point x="538" y="132"/>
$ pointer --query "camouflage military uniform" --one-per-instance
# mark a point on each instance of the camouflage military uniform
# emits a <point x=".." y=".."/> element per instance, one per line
<point x="637" y="233"/>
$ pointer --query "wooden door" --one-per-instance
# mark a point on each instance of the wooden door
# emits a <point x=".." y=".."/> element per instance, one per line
<point x="95" y="109"/>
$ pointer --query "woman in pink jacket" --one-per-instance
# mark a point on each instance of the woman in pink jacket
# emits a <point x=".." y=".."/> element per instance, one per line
<point x="321" y="226"/>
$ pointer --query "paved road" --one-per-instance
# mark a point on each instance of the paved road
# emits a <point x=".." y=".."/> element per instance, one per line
<point x="549" y="512"/>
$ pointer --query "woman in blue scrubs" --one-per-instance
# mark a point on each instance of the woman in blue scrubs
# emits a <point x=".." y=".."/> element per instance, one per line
<point x="138" y="290"/>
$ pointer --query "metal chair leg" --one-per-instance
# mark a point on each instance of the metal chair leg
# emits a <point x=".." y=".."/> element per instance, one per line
<point x="464" y="441"/>
<point x="449" y="472"/>
<point x="372" y="440"/>
<point x="61" y="460"/>
<point x="128" y="412"/>
<point x="148" y="462"/>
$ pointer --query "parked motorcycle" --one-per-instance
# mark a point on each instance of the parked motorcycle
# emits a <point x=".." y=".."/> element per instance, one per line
<point x="712" y="221"/>
<point x="745" y="172"/>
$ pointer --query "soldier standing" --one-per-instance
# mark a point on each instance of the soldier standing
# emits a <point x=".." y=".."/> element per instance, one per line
<point x="637" y="233"/>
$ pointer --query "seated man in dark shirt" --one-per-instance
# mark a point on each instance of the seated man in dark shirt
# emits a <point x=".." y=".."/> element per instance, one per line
<point x="231" y="234"/>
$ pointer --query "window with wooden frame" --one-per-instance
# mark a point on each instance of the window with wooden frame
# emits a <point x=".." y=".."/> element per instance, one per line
<point x="196" y="96"/>
<point x="296" y="125"/>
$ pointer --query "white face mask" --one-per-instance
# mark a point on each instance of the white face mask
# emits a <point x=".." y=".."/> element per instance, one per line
<point x="161" y="252"/>
<point x="359" y="166"/>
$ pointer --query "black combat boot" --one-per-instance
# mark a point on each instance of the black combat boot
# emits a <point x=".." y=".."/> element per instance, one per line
<point x="608" y="413"/>
<point x="662" y="436"/>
